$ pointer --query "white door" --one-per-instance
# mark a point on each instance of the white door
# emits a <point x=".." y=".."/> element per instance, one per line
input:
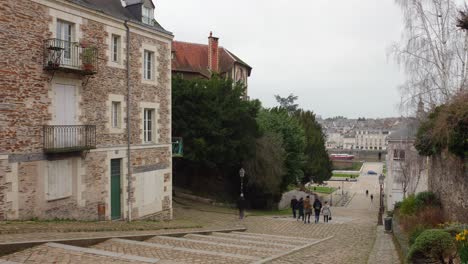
<point x="65" y="116"/>
<point x="65" y="105"/>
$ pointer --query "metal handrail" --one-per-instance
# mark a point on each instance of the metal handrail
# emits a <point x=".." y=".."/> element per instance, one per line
<point x="69" y="138"/>
<point x="62" y="54"/>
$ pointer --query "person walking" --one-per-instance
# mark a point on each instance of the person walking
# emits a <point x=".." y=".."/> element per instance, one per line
<point x="326" y="213"/>
<point x="242" y="204"/>
<point x="300" y="208"/>
<point x="372" y="198"/>
<point x="294" y="206"/>
<point x="317" y="209"/>
<point x="307" y="210"/>
<point x="367" y="193"/>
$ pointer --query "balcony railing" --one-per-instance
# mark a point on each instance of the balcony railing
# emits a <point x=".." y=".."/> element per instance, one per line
<point x="59" y="139"/>
<point x="177" y="147"/>
<point x="70" y="57"/>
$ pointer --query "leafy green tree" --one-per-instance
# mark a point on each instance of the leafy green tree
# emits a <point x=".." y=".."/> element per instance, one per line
<point x="278" y="121"/>
<point x="218" y="127"/>
<point x="317" y="166"/>
<point x="265" y="171"/>
<point x="288" y="103"/>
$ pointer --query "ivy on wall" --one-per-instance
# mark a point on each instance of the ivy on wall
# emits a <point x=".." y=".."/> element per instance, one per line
<point x="445" y="128"/>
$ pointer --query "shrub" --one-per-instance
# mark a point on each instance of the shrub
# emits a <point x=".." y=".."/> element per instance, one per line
<point x="408" y="206"/>
<point x="423" y="199"/>
<point x="430" y="217"/>
<point x="415" y="232"/>
<point x="433" y="244"/>
<point x="397" y="205"/>
<point x="462" y="240"/>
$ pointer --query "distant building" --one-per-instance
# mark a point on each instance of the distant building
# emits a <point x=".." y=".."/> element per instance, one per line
<point x="349" y="141"/>
<point x="371" y="139"/>
<point x="193" y="60"/>
<point x="406" y="170"/>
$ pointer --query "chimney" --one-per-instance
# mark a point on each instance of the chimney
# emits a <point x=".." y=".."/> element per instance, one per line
<point x="213" y="53"/>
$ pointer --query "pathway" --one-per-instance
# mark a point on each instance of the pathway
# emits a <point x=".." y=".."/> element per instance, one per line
<point x="351" y="237"/>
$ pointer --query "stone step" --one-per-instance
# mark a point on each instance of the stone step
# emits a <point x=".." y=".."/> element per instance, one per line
<point x="289" y="241"/>
<point x="167" y="252"/>
<point x="306" y="240"/>
<point x="242" y="242"/>
<point x="211" y="246"/>
<point x="60" y="253"/>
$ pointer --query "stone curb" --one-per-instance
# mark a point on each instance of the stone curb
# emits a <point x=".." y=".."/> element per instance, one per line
<point x="274" y="236"/>
<point x="291" y="251"/>
<point x="251" y="242"/>
<point x="8" y="248"/>
<point x="213" y="243"/>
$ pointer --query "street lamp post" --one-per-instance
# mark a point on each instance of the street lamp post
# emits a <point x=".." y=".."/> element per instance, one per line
<point x="242" y="174"/>
<point x="381" y="209"/>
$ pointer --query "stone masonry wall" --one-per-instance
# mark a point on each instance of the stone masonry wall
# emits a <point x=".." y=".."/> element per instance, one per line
<point x="4" y="168"/>
<point x="448" y="178"/>
<point x="25" y="103"/>
<point x="24" y="25"/>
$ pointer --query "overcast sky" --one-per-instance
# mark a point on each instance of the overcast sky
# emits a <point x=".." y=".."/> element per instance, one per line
<point x="330" y="53"/>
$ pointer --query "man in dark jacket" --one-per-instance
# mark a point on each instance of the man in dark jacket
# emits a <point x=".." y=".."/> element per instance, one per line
<point x="294" y="206"/>
<point x="317" y="208"/>
<point x="300" y="207"/>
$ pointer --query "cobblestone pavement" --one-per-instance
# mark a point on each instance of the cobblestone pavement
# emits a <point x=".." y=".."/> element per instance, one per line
<point x="384" y="251"/>
<point x="351" y="237"/>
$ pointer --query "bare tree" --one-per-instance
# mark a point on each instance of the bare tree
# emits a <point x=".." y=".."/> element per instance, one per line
<point x="410" y="166"/>
<point x="431" y="51"/>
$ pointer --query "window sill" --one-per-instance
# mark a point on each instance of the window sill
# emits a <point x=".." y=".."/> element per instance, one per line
<point x="151" y="82"/>
<point x="58" y="199"/>
<point x="116" y="64"/>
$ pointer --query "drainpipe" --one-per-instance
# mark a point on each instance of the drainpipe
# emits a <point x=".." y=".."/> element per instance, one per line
<point x="129" y="163"/>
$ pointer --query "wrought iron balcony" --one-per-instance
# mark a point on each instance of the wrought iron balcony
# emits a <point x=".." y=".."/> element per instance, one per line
<point x="70" y="57"/>
<point x="60" y="139"/>
<point x="177" y="147"/>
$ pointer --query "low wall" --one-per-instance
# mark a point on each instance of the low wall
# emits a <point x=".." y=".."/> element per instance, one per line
<point x="362" y="155"/>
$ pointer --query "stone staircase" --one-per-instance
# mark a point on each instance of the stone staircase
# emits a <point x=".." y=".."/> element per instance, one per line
<point x="215" y="247"/>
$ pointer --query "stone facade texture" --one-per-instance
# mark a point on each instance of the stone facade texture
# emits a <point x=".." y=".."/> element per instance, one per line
<point x="448" y="178"/>
<point x="25" y="106"/>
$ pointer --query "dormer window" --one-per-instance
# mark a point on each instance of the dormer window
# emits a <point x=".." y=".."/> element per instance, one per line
<point x="147" y="15"/>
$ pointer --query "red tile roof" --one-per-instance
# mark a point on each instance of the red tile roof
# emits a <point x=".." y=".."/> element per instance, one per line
<point x="193" y="57"/>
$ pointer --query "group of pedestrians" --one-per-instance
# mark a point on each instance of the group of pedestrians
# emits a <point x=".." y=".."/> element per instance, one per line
<point x="302" y="209"/>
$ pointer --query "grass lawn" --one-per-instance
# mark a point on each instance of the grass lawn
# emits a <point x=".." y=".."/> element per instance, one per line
<point x="322" y="189"/>
<point x="345" y="175"/>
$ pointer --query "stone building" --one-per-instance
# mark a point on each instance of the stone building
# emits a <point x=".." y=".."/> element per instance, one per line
<point x="371" y="139"/>
<point x="192" y="60"/>
<point x="407" y="172"/>
<point x="85" y="110"/>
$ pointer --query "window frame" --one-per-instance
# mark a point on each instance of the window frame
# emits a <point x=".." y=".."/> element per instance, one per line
<point x="147" y="15"/>
<point x="116" y="114"/>
<point x="115" y="48"/>
<point x="149" y="125"/>
<point x="148" y="60"/>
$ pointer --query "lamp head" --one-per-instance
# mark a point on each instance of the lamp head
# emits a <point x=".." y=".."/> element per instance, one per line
<point x="381" y="179"/>
<point x="242" y="172"/>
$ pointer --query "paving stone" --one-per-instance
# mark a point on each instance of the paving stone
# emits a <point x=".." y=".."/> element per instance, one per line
<point x="290" y="241"/>
<point x="165" y="253"/>
<point x="47" y="254"/>
<point x="237" y="241"/>
<point x="212" y="246"/>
